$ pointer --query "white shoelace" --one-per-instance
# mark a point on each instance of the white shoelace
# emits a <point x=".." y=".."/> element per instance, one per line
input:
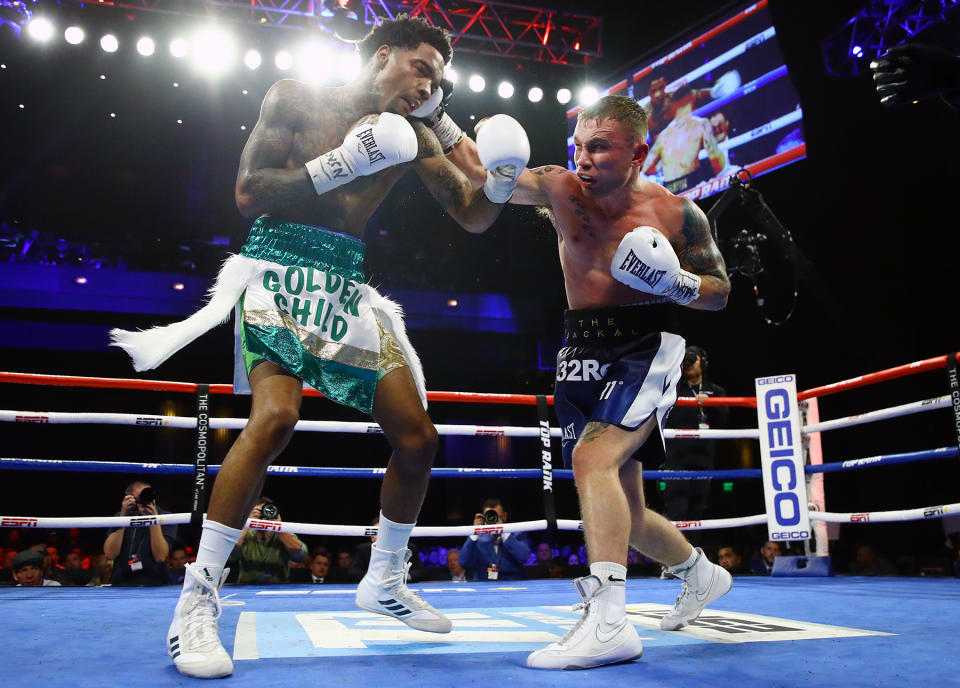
<point x="584" y="609"/>
<point x="684" y="594"/>
<point x="200" y="628"/>
<point x="396" y="584"/>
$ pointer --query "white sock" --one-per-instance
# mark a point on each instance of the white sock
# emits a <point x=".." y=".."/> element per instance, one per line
<point x="683" y="566"/>
<point x="216" y="545"/>
<point x="392" y="536"/>
<point x="604" y="570"/>
<point x="616" y="592"/>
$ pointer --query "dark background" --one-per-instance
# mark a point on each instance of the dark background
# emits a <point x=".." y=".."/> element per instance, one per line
<point x="871" y="209"/>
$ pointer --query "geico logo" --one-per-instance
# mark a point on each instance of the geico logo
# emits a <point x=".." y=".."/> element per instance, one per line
<point x="791" y="535"/>
<point x="581" y="371"/>
<point x="783" y="468"/>
<point x="775" y="379"/>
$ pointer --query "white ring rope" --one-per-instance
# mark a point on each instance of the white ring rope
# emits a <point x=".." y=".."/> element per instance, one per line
<point x="349" y="427"/>
<point x="880" y="414"/>
<point x="922" y="513"/>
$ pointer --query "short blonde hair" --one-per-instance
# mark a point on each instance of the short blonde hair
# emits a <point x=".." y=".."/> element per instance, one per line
<point x="619" y="108"/>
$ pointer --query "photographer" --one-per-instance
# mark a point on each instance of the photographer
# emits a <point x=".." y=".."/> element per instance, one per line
<point x="264" y="556"/>
<point x="684" y="500"/>
<point x="140" y="554"/>
<point x="494" y="557"/>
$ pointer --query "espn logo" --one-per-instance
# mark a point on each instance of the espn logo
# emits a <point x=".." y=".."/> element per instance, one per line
<point x="140" y="521"/>
<point x="688" y="524"/>
<point x="15" y="522"/>
<point x="266" y="525"/>
<point x="488" y="530"/>
<point x="859" y="518"/>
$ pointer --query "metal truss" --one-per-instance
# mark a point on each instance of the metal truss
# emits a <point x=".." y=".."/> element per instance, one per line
<point x="882" y="24"/>
<point x="504" y="29"/>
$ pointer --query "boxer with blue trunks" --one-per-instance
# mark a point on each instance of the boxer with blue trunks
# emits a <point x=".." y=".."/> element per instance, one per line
<point x="631" y="253"/>
<point x="620" y="366"/>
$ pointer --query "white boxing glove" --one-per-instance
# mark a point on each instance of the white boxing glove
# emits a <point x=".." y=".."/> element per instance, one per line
<point x="504" y="151"/>
<point x="646" y="261"/>
<point x="367" y="149"/>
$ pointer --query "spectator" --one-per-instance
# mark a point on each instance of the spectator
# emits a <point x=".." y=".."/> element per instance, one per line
<point x="140" y="554"/>
<point x="319" y="567"/>
<point x="73" y="570"/>
<point x="360" y="560"/>
<point x="867" y="563"/>
<point x="494" y="556"/>
<point x="177" y="566"/>
<point x="763" y="565"/>
<point x="102" y="571"/>
<point x="457" y="573"/>
<point x="264" y="556"/>
<point x="341" y="572"/>
<point x="684" y="500"/>
<point x="28" y="570"/>
<point x="729" y="558"/>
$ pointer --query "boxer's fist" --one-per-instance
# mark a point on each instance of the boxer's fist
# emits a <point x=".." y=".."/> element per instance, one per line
<point x="373" y="144"/>
<point x="504" y="151"/>
<point x="646" y="261"/>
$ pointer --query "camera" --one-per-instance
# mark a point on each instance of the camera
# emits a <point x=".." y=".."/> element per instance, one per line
<point x="269" y="512"/>
<point x="490" y="516"/>
<point x="147" y="496"/>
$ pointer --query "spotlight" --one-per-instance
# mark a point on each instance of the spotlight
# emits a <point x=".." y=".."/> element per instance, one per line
<point x="857" y="51"/>
<point x="564" y="96"/>
<point x="178" y="286"/>
<point x="179" y="47"/>
<point x="73" y="35"/>
<point x="212" y="51"/>
<point x="146" y="46"/>
<point x="284" y="60"/>
<point x="477" y="83"/>
<point x="451" y="74"/>
<point x="589" y="95"/>
<point x="40" y="29"/>
<point x="252" y="59"/>
<point x="314" y="62"/>
<point x="80" y="280"/>
<point x="348" y="65"/>
<point x="453" y="303"/>
<point x="109" y="43"/>
<point x="505" y="89"/>
<point x="535" y="95"/>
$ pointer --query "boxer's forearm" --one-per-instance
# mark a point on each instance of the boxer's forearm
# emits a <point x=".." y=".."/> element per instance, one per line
<point x="464" y="156"/>
<point x="713" y="294"/>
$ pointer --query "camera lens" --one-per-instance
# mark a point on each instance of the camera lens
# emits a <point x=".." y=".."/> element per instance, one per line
<point x="269" y="511"/>
<point x="147" y="496"/>
<point x="491" y="516"/>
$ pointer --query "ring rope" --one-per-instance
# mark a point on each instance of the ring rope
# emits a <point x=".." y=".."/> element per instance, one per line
<point x="879" y="414"/>
<point x="347" y="427"/>
<point x="883" y="460"/>
<point x="918" y="514"/>
<point x="191" y="388"/>
<point x="18" y="464"/>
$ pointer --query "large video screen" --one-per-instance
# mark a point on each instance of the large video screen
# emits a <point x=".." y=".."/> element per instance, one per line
<point x="717" y="103"/>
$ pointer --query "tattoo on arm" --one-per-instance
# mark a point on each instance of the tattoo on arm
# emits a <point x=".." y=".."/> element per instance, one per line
<point x="547" y="169"/>
<point x="700" y="254"/>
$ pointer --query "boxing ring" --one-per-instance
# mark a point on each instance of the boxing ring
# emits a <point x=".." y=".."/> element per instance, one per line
<point x="779" y="631"/>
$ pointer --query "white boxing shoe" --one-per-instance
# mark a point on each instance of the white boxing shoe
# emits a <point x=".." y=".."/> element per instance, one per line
<point x="192" y="640"/>
<point x="384" y="591"/>
<point x="702" y="584"/>
<point x="594" y="641"/>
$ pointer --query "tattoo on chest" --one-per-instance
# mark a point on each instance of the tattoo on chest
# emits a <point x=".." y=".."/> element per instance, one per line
<point x="580" y="212"/>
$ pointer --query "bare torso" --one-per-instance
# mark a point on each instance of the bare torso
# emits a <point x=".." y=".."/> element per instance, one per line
<point x="588" y="238"/>
<point x="680" y="144"/>
<point x="323" y="122"/>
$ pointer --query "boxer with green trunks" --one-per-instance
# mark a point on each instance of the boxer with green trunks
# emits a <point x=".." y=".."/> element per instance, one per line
<point x="316" y="166"/>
